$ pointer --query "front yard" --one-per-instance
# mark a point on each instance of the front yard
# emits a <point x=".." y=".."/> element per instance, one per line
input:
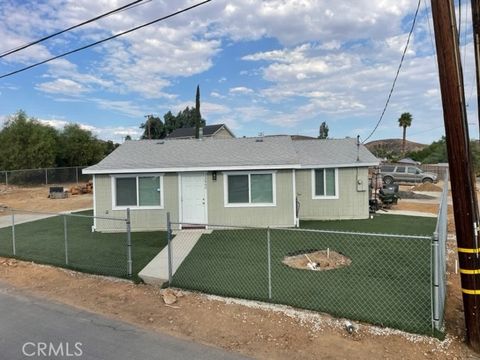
<point x="43" y="241"/>
<point x="387" y="283"/>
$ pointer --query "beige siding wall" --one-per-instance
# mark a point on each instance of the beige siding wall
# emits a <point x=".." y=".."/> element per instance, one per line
<point x="141" y="220"/>
<point x="277" y="216"/>
<point x="351" y="204"/>
<point x="222" y="134"/>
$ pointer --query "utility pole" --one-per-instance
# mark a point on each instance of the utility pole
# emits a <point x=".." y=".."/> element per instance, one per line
<point x="458" y="147"/>
<point x="476" y="42"/>
<point x="148" y="124"/>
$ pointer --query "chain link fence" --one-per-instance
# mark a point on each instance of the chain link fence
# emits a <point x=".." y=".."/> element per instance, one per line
<point x="390" y="280"/>
<point x="67" y="240"/>
<point x="46" y="176"/>
<point x="382" y="279"/>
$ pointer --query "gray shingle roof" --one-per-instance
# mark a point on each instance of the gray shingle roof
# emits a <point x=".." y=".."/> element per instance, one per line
<point x="235" y="153"/>
<point x="208" y="130"/>
<point x="332" y="152"/>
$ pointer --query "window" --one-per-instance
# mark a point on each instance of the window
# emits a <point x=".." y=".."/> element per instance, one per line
<point x="412" y="170"/>
<point x="387" y="168"/>
<point x="400" y="169"/>
<point x="139" y="191"/>
<point x="249" y="189"/>
<point x="325" y="183"/>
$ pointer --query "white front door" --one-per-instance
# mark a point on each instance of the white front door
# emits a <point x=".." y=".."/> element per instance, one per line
<point x="193" y="197"/>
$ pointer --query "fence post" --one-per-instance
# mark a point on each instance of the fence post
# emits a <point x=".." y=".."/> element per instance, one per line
<point x="65" y="234"/>
<point x="169" y="249"/>
<point x="269" y="260"/>
<point x="76" y="174"/>
<point x="14" y="247"/>
<point x="129" y="245"/>
<point x="435" y="282"/>
<point x="6" y="178"/>
<point x="46" y="176"/>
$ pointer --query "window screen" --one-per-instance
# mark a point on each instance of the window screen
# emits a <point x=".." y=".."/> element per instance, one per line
<point x="262" y="189"/>
<point x="319" y="182"/>
<point x="126" y="191"/>
<point x="149" y="191"/>
<point x="238" y="189"/>
<point x="325" y="182"/>
<point x="330" y="182"/>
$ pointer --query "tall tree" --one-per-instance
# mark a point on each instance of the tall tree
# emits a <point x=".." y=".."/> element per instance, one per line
<point x="404" y="121"/>
<point x="26" y="143"/>
<point x="153" y="128"/>
<point x="198" y="117"/>
<point x="323" y="131"/>
<point x="79" y="147"/>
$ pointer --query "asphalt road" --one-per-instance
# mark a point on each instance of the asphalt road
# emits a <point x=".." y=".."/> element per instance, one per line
<point x="33" y="328"/>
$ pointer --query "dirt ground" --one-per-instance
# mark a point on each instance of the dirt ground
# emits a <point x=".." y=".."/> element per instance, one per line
<point x="36" y="199"/>
<point x="321" y="259"/>
<point x="259" y="330"/>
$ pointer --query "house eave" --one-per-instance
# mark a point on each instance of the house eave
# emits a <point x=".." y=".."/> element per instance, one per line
<point x="190" y="169"/>
<point x="221" y="168"/>
<point x="354" y="165"/>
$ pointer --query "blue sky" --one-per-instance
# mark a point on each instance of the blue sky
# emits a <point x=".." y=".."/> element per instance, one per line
<point x="274" y="66"/>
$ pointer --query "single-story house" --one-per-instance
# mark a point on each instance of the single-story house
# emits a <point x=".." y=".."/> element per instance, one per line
<point x="217" y="131"/>
<point x="267" y="181"/>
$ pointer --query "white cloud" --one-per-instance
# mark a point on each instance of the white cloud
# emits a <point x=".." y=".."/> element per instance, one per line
<point x="56" y="123"/>
<point x="206" y="108"/>
<point x="62" y="86"/>
<point x="125" y="107"/>
<point x="240" y="90"/>
<point x="217" y="95"/>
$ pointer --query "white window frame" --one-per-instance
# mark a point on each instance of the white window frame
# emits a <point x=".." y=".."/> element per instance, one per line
<point x="250" y="204"/>
<point x="136" y="207"/>
<point x="324" y="197"/>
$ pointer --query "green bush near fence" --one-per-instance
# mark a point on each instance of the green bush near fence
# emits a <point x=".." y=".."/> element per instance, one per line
<point x="387" y="283"/>
<point x="43" y="241"/>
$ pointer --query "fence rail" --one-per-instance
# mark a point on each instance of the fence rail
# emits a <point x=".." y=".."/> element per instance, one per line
<point x="44" y="176"/>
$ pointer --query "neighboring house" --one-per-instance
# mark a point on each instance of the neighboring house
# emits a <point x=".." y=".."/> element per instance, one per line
<point x="219" y="131"/>
<point x="241" y="181"/>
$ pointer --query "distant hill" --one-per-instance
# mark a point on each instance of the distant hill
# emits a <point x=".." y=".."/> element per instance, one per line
<point x="392" y="147"/>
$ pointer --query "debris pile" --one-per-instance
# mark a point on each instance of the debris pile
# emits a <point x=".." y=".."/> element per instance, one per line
<point x="427" y="187"/>
<point x="82" y="189"/>
<point x="170" y="296"/>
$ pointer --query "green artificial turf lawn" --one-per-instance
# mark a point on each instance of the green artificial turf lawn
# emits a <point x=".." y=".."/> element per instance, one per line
<point x="43" y="241"/>
<point x="380" y="224"/>
<point x="388" y="282"/>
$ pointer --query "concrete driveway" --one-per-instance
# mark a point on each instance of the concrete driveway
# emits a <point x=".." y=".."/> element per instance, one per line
<point x="33" y="328"/>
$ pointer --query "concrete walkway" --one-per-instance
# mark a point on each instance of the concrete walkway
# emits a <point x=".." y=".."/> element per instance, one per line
<point x="29" y="216"/>
<point x="6" y="219"/>
<point x="406" y="212"/>
<point x="156" y="271"/>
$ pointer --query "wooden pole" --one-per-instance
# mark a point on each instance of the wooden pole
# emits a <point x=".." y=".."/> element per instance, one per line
<point x="476" y="43"/>
<point x="463" y="194"/>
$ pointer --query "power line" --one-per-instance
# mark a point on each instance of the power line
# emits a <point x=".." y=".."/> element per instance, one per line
<point x="396" y="75"/>
<point x="25" y="46"/>
<point x="104" y="40"/>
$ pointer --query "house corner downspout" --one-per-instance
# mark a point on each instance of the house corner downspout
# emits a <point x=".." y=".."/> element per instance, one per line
<point x="94" y="226"/>
<point x="294" y="195"/>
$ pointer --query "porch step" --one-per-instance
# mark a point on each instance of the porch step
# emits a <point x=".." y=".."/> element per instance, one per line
<point x="156" y="271"/>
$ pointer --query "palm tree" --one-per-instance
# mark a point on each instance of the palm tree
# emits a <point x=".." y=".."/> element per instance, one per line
<point x="405" y="121"/>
